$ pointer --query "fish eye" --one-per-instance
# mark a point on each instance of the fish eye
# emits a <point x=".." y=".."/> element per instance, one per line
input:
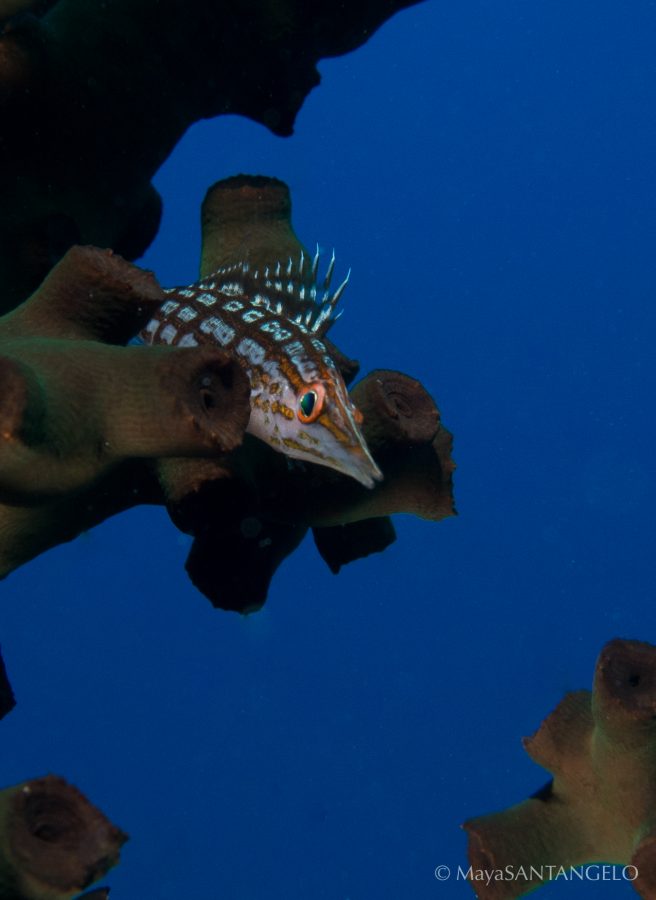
<point x="310" y="403"/>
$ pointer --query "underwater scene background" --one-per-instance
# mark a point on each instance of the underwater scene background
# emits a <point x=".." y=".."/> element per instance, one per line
<point x="487" y="170"/>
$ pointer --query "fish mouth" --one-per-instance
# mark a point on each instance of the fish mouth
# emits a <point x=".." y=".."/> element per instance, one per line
<point x="360" y="465"/>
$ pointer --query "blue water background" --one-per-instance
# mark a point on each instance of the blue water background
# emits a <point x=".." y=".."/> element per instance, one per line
<point x="487" y="169"/>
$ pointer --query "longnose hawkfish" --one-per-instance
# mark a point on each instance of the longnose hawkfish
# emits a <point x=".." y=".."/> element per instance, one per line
<point x="272" y="321"/>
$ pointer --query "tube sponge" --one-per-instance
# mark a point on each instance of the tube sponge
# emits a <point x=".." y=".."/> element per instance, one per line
<point x="600" y="747"/>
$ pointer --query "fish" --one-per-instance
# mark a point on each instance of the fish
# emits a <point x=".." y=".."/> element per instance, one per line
<point x="272" y="319"/>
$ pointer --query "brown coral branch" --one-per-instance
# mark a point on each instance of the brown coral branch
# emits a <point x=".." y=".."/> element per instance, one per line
<point x="53" y="842"/>
<point x="601" y="749"/>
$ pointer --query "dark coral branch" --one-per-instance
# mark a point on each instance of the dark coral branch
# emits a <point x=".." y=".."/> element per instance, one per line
<point x="247" y="554"/>
<point x="53" y="842"/>
<point x="601" y="749"/>
<point x="7" y="700"/>
<point x="342" y="544"/>
<point x="124" y="81"/>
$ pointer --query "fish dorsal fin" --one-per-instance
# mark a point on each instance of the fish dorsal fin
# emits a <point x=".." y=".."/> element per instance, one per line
<point x="288" y="288"/>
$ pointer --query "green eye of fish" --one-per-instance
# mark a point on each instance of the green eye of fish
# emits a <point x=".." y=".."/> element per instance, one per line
<point x="307" y="403"/>
<point x="310" y="403"/>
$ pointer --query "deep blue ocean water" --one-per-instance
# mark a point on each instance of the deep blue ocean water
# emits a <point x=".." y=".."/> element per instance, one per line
<point x="487" y="170"/>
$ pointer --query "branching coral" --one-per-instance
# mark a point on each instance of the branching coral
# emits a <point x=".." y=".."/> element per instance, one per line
<point x="600" y="747"/>
<point x="53" y="842"/>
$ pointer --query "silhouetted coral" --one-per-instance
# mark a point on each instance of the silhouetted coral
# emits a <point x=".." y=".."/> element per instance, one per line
<point x="7" y="700"/>
<point x="94" y="96"/>
<point x="342" y="544"/>
<point x="53" y="842"/>
<point x="600" y="747"/>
